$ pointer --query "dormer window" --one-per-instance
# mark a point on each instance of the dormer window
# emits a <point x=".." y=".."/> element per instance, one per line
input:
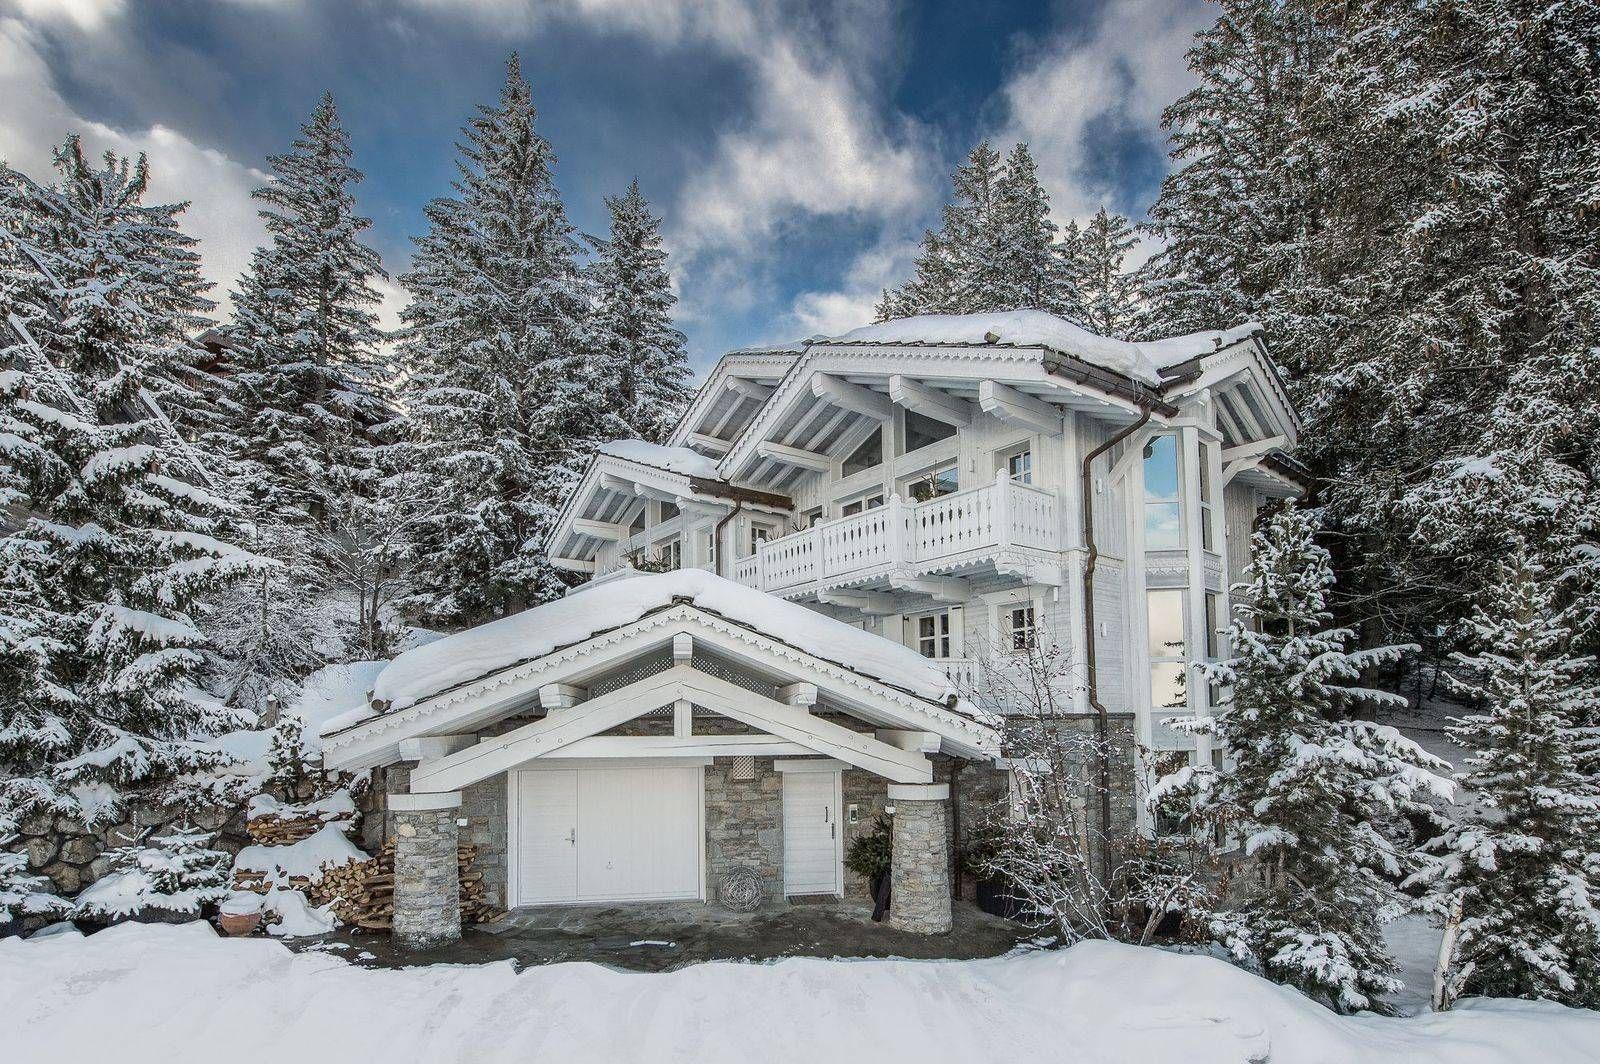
<point x="869" y="454"/>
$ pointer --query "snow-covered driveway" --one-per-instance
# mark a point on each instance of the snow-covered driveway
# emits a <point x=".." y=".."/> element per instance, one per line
<point x="177" y="994"/>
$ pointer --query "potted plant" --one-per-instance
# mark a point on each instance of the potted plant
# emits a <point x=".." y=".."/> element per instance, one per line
<point x="871" y="854"/>
<point x="240" y="913"/>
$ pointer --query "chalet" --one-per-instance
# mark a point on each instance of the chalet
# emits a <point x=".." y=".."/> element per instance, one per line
<point x="790" y="605"/>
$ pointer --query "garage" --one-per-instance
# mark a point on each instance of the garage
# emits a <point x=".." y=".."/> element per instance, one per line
<point x="587" y="833"/>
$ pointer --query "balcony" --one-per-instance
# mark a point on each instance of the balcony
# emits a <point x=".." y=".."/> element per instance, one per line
<point x="1002" y="523"/>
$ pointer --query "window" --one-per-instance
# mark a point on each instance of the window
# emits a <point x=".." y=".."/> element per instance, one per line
<point x="934" y="484"/>
<point x="1205" y="498"/>
<point x="933" y="635"/>
<point x="869" y="454"/>
<point x="759" y="534"/>
<point x="1163" y="524"/>
<point x="669" y="555"/>
<point x="1213" y="643"/>
<point x="1168" y="649"/>
<point x="1020" y="627"/>
<point x="1019" y="466"/>
<point x="925" y="431"/>
<point x="810" y="519"/>
<point x="669" y="510"/>
<point x="865" y="502"/>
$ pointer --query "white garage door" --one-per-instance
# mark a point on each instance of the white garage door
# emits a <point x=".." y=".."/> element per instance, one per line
<point x="623" y="833"/>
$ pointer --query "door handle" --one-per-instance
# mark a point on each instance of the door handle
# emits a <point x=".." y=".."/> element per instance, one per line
<point x="572" y="837"/>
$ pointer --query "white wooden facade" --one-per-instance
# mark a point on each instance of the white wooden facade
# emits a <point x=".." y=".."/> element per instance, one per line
<point x="966" y="521"/>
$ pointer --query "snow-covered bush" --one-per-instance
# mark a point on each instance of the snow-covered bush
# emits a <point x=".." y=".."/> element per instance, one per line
<point x="24" y="894"/>
<point x="174" y="874"/>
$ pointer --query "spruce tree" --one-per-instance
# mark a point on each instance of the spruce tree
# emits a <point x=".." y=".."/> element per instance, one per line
<point x="177" y="872"/>
<point x="1106" y="291"/>
<point x="115" y="546"/>
<point x="309" y="378"/>
<point x="646" y="368"/>
<point x="499" y="394"/>
<point x="1521" y="888"/>
<point x="1318" y="798"/>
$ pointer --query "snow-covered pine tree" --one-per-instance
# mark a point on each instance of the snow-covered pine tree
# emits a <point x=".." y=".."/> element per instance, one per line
<point x="1317" y="797"/>
<point x="308" y="383"/>
<point x="114" y="546"/>
<point x="499" y="393"/>
<point x="24" y="895"/>
<point x="642" y="352"/>
<point x="1521" y="887"/>
<point x="1107" y="292"/>
<point x="1033" y="274"/>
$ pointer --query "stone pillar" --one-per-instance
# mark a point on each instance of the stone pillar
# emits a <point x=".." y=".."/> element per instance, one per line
<point x="427" y="884"/>
<point x="919" y="873"/>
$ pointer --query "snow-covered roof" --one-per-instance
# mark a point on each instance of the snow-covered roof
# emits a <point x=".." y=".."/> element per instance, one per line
<point x="1035" y="328"/>
<point x="682" y="460"/>
<point x="425" y="671"/>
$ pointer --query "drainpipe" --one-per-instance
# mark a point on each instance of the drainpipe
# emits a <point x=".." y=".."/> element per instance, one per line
<point x="716" y="535"/>
<point x="1092" y="555"/>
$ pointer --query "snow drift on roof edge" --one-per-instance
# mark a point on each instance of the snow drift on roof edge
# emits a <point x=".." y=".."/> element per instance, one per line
<point x="1035" y="328"/>
<point x="456" y="659"/>
<point x="681" y="460"/>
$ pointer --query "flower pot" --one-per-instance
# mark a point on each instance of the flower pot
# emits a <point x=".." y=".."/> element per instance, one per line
<point x="237" y="924"/>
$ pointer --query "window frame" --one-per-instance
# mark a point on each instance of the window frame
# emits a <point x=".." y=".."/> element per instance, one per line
<point x="939" y="636"/>
<point x="1174" y="501"/>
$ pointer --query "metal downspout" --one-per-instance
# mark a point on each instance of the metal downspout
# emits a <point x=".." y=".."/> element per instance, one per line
<point x="716" y="536"/>
<point x="1091" y="556"/>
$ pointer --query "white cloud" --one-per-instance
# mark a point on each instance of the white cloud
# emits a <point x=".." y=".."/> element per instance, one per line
<point x="36" y="118"/>
<point x="829" y="313"/>
<point x="85" y="14"/>
<point x="1130" y="64"/>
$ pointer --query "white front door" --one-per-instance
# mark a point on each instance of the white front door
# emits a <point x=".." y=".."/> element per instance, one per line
<point x="609" y="833"/>
<point x="811" y="837"/>
<point x="547" y="836"/>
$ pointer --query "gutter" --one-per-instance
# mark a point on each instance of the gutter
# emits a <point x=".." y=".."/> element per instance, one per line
<point x="1092" y="555"/>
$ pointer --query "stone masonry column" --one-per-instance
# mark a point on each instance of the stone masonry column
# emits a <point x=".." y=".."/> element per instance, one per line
<point x="919" y="872"/>
<point x="427" y="884"/>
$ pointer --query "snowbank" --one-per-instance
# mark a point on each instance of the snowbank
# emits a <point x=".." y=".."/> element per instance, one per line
<point x="1035" y="328"/>
<point x="171" y="995"/>
<point x="682" y="460"/>
<point x="334" y="690"/>
<point x="328" y="848"/>
<point x="477" y="652"/>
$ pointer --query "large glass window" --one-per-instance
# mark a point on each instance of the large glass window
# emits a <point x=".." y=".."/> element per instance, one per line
<point x="924" y="431"/>
<point x="1168" y="649"/>
<point x="869" y="454"/>
<point x="1163" y="517"/>
<point x="1206" y="535"/>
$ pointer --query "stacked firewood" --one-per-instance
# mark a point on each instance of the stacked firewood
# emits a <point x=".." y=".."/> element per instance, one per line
<point x="274" y="824"/>
<point x="363" y="894"/>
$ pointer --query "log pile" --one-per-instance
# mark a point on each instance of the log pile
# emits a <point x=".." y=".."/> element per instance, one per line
<point x="274" y="824"/>
<point x="363" y="894"/>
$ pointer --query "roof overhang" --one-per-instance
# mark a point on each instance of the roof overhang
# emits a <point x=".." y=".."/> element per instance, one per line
<point x="613" y="489"/>
<point x="524" y="688"/>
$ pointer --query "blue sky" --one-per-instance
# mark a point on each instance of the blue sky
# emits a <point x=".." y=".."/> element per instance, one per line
<point x="796" y="150"/>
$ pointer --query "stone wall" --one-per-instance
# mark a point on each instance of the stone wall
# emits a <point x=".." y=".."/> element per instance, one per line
<point x="869" y="794"/>
<point x="920" y="873"/>
<point x="744" y="825"/>
<point x="427" y="883"/>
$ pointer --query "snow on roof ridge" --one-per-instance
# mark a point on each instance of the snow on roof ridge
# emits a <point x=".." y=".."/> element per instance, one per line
<point x="426" y="671"/>
<point x="1140" y="360"/>
<point x="682" y="460"/>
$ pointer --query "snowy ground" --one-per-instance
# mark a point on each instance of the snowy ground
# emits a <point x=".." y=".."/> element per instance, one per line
<point x="177" y="994"/>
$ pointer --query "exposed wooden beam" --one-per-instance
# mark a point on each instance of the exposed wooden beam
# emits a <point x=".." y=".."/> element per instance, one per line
<point x="682" y="648"/>
<point x="433" y="747"/>
<point x="930" y="402"/>
<point x="924" y="742"/>
<point x="751" y="388"/>
<point x="1254" y="450"/>
<point x="572" y="565"/>
<point x="1017" y="408"/>
<point x="682" y="718"/>
<point x="939" y="588"/>
<point x="605" y="530"/>
<point x="685" y="746"/>
<point x="873" y="602"/>
<point x="794" y="456"/>
<point x="799" y="694"/>
<point x="553" y="696"/>
<point x="841" y="392"/>
<point x="709" y="443"/>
